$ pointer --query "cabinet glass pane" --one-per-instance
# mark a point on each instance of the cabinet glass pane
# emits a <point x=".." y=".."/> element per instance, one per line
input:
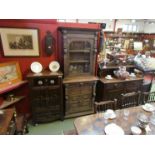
<point x="79" y="57"/>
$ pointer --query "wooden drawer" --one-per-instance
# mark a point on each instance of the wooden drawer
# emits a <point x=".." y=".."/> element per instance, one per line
<point x="78" y="88"/>
<point x="133" y="86"/>
<point x="45" y="81"/>
<point x="79" y="106"/>
<point x="112" y="86"/>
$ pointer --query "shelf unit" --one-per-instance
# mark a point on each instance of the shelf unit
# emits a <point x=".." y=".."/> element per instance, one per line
<point x="6" y="103"/>
<point x="12" y="87"/>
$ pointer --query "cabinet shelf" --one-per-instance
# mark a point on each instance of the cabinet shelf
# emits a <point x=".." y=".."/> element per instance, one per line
<point x="8" y="103"/>
<point x="12" y="87"/>
<point x="79" y="61"/>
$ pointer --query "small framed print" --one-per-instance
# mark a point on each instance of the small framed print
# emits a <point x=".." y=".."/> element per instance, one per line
<point x="20" y="41"/>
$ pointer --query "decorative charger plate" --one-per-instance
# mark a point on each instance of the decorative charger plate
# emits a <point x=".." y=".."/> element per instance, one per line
<point x="54" y="66"/>
<point x="148" y="107"/>
<point x="113" y="129"/>
<point x="36" y="67"/>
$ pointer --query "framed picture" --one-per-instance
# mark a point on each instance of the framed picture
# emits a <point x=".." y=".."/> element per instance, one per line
<point x="10" y="73"/>
<point x="20" y="41"/>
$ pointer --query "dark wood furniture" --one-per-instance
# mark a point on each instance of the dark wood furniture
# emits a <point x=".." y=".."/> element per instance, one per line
<point x="104" y="105"/>
<point x="148" y="97"/>
<point x="130" y="99"/>
<point x="79" y="47"/>
<point x="7" y="122"/>
<point x="112" y="89"/>
<point x="95" y="124"/>
<point x="46" y="96"/>
<point x="79" y="96"/>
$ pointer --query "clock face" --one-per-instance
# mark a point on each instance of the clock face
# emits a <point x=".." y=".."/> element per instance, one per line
<point x="8" y="73"/>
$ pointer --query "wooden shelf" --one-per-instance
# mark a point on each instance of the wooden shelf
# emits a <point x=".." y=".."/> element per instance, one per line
<point x="8" y="103"/>
<point x="79" y="61"/>
<point x="12" y="86"/>
<point x="116" y="67"/>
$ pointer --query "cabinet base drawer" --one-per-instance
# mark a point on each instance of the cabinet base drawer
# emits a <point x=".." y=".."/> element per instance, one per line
<point x="79" y="114"/>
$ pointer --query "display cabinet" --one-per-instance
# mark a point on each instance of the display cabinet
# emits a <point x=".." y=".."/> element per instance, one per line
<point x="46" y="96"/>
<point x="79" y="48"/>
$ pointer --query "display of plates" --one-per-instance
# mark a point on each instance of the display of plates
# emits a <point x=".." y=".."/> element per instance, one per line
<point x="36" y="67"/>
<point x="148" y="107"/>
<point x="54" y="66"/>
<point x="109" y="114"/>
<point x="113" y="129"/>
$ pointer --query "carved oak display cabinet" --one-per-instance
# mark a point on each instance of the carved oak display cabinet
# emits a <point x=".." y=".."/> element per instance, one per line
<point x="79" y="48"/>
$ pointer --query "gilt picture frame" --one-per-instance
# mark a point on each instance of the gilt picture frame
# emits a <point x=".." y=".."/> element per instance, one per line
<point x="19" y="42"/>
<point x="10" y="73"/>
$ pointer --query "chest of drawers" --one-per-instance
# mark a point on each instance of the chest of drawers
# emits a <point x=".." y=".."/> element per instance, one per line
<point x="79" y="97"/>
<point x="111" y="89"/>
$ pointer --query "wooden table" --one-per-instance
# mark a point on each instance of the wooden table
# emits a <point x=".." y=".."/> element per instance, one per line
<point x="95" y="124"/>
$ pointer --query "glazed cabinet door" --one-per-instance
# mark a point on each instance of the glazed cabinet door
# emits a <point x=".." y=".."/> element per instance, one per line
<point x="79" y="52"/>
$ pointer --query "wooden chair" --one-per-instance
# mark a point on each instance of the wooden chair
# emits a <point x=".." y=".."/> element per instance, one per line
<point x="130" y="99"/>
<point x="104" y="105"/>
<point x="148" y="97"/>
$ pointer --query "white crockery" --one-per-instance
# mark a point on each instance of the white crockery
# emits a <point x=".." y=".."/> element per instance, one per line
<point x="113" y="129"/>
<point x="136" y="130"/>
<point x="54" y="66"/>
<point x="109" y="114"/>
<point x="148" y="107"/>
<point x="108" y="77"/>
<point x="36" y="67"/>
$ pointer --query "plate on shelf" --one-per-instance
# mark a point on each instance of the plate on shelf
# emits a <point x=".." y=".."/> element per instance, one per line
<point x="36" y="67"/>
<point x="113" y="129"/>
<point x="148" y="107"/>
<point x="54" y="66"/>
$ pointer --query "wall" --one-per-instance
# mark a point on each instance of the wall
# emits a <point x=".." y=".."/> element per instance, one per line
<point x="149" y="28"/>
<point x="25" y="62"/>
